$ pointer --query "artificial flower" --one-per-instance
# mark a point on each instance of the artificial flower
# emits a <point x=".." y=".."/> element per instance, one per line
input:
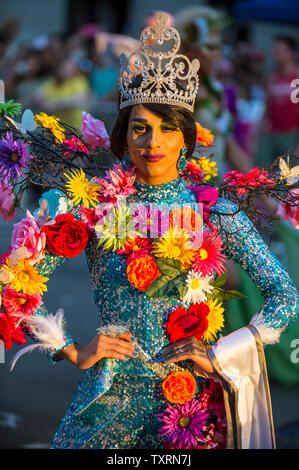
<point x="14" y="158"/>
<point x="52" y="123"/>
<point x="255" y="177"/>
<point x="288" y="212"/>
<point x="27" y="234"/>
<point x="212" y="398"/>
<point x="8" y="332"/>
<point x="117" y="184"/>
<point x="82" y="189"/>
<point x="198" y="286"/>
<point x="203" y="135"/>
<point x="179" y="387"/>
<point x="180" y="248"/>
<point x="215" y="320"/>
<point x="209" y="257"/>
<point x="207" y="166"/>
<point x="183" y="425"/>
<point x="207" y="196"/>
<point x="182" y="324"/>
<point x="291" y="175"/>
<point x="11" y="108"/>
<point x="94" y="131"/>
<point x="136" y="247"/>
<point x="57" y="203"/>
<point x="7" y="203"/>
<point x="115" y="229"/>
<point x="19" y="304"/>
<point x="194" y="171"/>
<point x="66" y="237"/>
<point x="142" y="272"/>
<point x="151" y="221"/>
<point x="26" y="277"/>
<point x="76" y="145"/>
<point x="92" y="216"/>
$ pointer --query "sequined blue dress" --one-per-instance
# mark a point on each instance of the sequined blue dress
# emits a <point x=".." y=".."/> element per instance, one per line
<point x="117" y="402"/>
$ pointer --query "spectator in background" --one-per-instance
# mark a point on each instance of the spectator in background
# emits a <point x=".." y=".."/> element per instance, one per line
<point x="280" y="127"/>
<point x="66" y="94"/>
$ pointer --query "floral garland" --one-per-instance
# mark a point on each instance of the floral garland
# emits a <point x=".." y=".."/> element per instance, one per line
<point x="162" y="259"/>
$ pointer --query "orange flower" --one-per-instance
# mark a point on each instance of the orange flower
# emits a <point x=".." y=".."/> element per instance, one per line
<point x="204" y="136"/>
<point x="142" y="272"/>
<point x="179" y="387"/>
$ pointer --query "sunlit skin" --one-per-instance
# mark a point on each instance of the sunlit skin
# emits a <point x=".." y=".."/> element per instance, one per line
<point x="149" y="135"/>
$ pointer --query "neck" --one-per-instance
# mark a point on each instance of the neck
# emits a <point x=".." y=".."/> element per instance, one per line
<point x="166" y="178"/>
<point x="287" y="68"/>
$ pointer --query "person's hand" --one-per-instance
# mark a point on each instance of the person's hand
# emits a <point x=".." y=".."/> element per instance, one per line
<point x="187" y="348"/>
<point x="123" y="348"/>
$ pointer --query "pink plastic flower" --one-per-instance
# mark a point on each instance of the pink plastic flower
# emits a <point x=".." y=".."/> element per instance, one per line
<point x="7" y="200"/>
<point x="27" y="234"/>
<point x="117" y="183"/>
<point x="76" y="145"/>
<point x="209" y="257"/>
<point x="94" y="131"/>
<point x="196" y="173"/>
<point x="19" y="304"/>
<point x="255" y="177"/>
<point x="212" y="399"/>
<point x="290" y="213"/>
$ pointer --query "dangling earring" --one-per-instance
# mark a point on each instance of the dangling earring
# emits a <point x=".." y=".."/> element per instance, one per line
<point x="182" y="162"/>
<point x="126" y="161"/>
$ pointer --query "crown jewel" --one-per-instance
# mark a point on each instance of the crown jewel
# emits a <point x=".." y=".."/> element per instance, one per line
<point x="156" y="73"/>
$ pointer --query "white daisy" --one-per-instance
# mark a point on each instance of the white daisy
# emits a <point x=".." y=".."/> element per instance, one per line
<point x="198" y="287"/>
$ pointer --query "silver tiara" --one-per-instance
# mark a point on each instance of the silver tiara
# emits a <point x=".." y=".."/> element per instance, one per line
<point x="156" y="73"/>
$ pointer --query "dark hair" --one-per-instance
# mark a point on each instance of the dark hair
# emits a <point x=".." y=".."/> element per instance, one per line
<point x="172" y="114"/>
<point x="290" y="42"/>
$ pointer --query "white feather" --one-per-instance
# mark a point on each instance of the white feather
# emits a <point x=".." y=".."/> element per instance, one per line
<point x="269" y="335"/>
<point x="49" y="331"/>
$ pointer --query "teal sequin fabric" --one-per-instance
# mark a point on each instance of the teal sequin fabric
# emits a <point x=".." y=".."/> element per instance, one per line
<point x="117" y="402"/>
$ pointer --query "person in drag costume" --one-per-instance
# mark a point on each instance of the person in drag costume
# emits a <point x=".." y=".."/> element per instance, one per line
<point x="158" y="373"/>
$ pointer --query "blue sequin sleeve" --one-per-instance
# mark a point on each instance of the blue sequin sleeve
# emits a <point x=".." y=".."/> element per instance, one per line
<point x="244" y="245"/>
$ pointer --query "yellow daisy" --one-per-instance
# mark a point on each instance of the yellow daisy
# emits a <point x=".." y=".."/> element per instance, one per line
<point x="82" y="189"/>
<point x="208" y="167"/>
<point x="52" y="123"/>
<point x="26" y="278"/>
<point x="179" y="248"/>
<point x="215" y="320"/>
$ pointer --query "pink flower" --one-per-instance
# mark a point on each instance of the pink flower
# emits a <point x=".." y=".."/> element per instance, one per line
<point x="7" y="200"/>
<point x="76" y="145"/>
<point x="194" y="171"/>
<point x="117" y="183"/>
<point x="255" y="177"/>
<point x="19" y="304"/>
<point x="290" y="213"/>
<point x="27" y="234"/>
<point x="212" y="399"/>
<point x="209" y="257"/>
<point x="94" y="131"/>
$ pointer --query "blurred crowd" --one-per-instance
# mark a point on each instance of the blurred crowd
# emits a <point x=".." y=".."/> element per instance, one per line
<point x="249" y="111"/>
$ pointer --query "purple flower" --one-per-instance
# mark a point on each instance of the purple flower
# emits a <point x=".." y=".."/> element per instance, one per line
<point x="184" y="425"/>
<point x="13" y="158"/>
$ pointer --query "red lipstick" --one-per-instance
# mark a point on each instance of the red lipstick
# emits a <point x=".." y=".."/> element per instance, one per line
<point x="153" y="158"/>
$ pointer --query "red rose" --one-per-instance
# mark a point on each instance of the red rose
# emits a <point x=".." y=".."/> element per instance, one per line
<point x="182" y="324"/>
<point x="8" y="334"/>
<point x="67" y="237"/>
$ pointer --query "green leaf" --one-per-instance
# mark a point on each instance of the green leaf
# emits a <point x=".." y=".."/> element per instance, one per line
<point x="233" y="294"/>
<point x="180" y="285"/>
<point x="169" y="267"/>
<point x="220" y="280"/>
<point x="158" y="284"/>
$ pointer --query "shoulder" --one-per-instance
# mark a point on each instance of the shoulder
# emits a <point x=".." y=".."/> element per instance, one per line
<point x="227" y="217"/>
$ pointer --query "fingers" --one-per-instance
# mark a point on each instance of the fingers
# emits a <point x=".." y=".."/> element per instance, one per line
<point x="117" y="348"/>
<point x="180" y="352"/>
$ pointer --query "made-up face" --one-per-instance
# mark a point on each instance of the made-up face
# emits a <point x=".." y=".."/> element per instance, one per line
<point x="154" y="146"/>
